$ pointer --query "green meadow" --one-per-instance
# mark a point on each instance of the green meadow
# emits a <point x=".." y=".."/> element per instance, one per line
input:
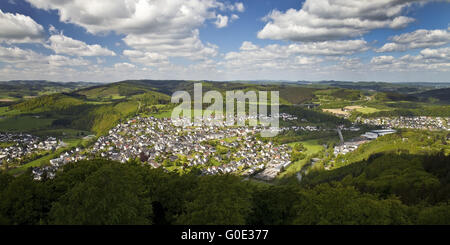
<point x="24" y="123"/>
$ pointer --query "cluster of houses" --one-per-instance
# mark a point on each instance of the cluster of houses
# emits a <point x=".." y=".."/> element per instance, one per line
<point x="230" y="120"/>
<point x="74" y="155"/>
<point x="49" y="171"/>
<point x="300" y="128"/>
<point x="39" y="173"/>
<point x="286" y="117"/>
<point x="20" y="146"/>
<point x="416" y="122"/>
<point x="279" y="161"/>
<point x="155" y="141"/>
<point x="250" y="156"/>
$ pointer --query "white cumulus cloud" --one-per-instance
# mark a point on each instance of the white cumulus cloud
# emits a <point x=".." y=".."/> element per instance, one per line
<point x="417" y="39"/>
<point x="64" y="61"/>
<point x="346" y="47"/>
<point x="321" y="20"/>
<point x="168" y="27"/>
<point x="427" y="60"/>
<point x="222" y="21"/>
<point x="18" y="28"/>
<point x="17" y="55"/>
<point x="65" y="45"/>
<point x="240" y="7"/>
<point x="146" y="58"/>
<point x="290" y="57"/>
<point x="25" y="58"/>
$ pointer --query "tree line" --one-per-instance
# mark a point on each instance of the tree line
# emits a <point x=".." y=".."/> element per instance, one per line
<point x="106" y="192"/>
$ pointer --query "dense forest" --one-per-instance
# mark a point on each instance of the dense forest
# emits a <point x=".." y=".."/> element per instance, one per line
<point x="394" y="188"/>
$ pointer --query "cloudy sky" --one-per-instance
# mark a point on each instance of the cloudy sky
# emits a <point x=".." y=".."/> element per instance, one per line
<point x="107" y="41"/>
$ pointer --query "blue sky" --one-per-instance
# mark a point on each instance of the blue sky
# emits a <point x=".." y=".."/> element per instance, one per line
<point x="107" y="41"/>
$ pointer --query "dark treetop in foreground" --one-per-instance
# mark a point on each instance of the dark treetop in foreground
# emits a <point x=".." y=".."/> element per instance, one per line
<point x="391" y="188"/>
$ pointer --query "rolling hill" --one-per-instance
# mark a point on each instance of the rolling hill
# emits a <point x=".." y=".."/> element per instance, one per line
<point x="54" y="102"/>
<point x="443" y="95"/>
<point x="98" y="107"/>
<point x="16" y="90"/>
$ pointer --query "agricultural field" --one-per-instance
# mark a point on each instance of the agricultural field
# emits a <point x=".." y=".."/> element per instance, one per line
<point x="339" y="112"/>
<point x="367" y="110"/>
<point x="24" y="123"/>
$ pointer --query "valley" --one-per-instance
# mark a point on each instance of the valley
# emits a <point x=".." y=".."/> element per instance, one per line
<point x="327" y="140"/>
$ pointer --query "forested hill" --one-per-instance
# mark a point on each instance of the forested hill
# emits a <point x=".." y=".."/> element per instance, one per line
<point x="22" y="89"/>
<point x="386" y="189"/>
<point x="95" y="109"/>
<point x="289" y="93"/>
<point x="442" y="95"/>
<point x="385" y="86"/>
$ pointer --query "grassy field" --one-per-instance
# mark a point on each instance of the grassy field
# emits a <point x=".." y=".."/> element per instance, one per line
<point x="6" y="144"/>
<point x="117" y="97"/>
<point x="339" y="112"/>
<point x="62" y="133"/>
<point x="98" y="102"/>
<point x="167" y="113"/>
<point x="367" y="110"/>
<point x="312" y="147"/>
<point x="7" y="99"/>
<point x="162" y="114"/>
<point x="5" y="111"/>
<point x="24" y="123"/>
<point x="36" y="163"/>
<point x="230" y="140"/>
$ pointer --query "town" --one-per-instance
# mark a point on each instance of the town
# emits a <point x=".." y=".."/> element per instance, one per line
<point x="158" y="142"/>
<point x="210" y="148"/>
<point x="417" y="122"/>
